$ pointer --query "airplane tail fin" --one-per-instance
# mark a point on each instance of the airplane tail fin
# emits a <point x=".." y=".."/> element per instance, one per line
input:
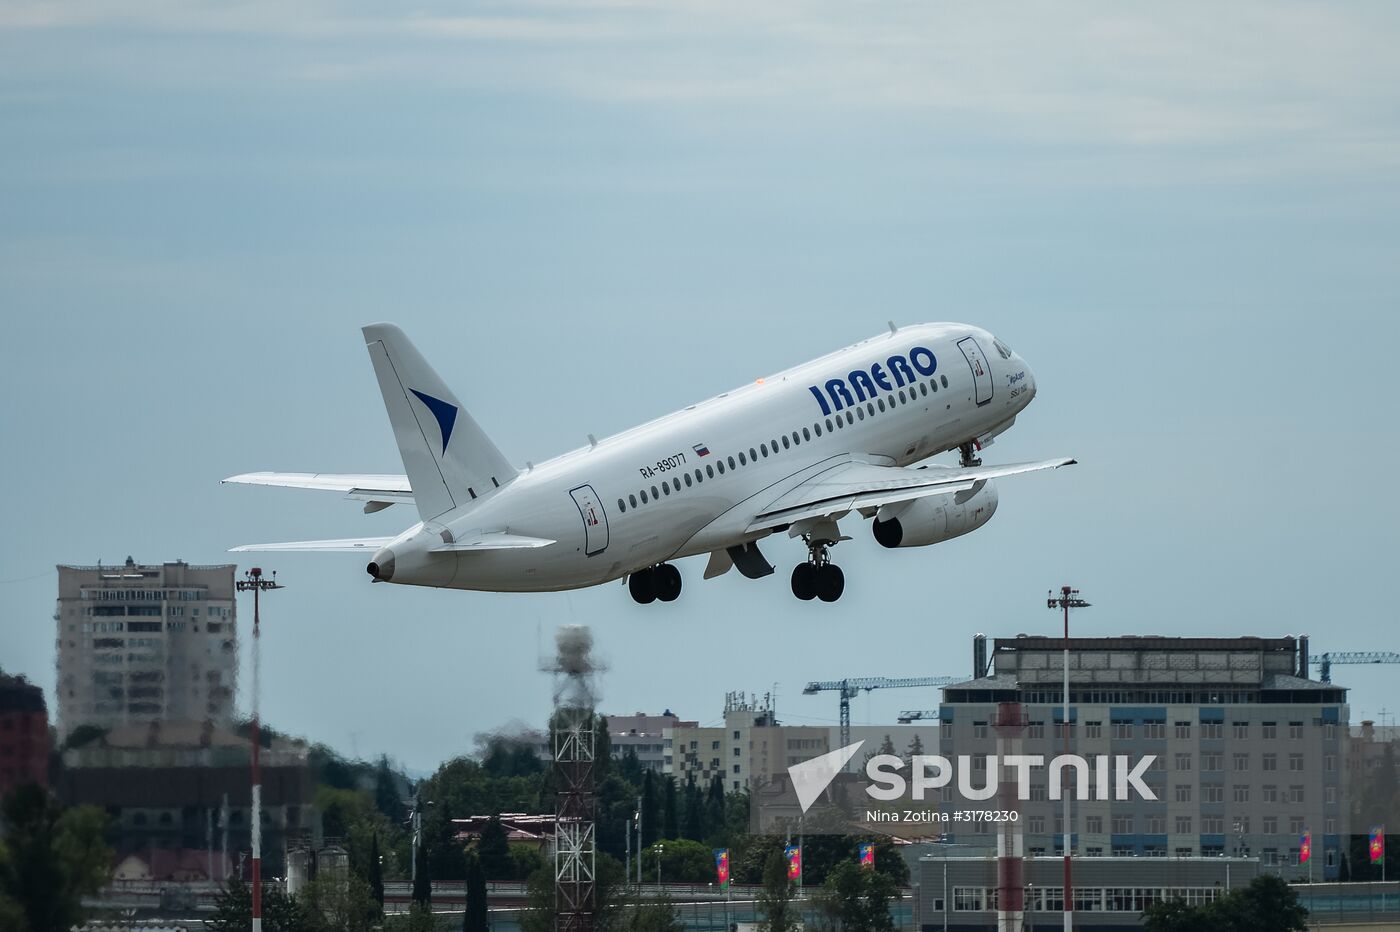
<point x="449" y="459"/>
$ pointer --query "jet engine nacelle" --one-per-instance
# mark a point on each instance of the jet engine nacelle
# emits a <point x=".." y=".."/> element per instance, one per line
<point x="936" y="518"/>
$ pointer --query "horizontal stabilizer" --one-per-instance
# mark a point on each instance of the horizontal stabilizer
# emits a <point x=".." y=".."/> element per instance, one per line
<point x="493" y="541"/>
<point x="345" y="545"/>
<point x="361" y="486"/>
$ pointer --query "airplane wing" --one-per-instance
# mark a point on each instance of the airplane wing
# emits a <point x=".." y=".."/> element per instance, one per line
<point x="855" y="486"/>
<point x="345" y="545"/>
<point x="363" y="487"/>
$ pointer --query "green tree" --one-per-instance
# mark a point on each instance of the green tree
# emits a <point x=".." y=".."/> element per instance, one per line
<point x="1268" y="904"/>
<point x="651" y="810"/>
<point x="476" y="917"/>
<point x="775" y="905"/>
<point x="55" y="858"/>
<point x="714" y="811"/>
<point x="630" y="769"/>
<point x="335" y="902"/>
<point x="419" y="918"/>
<point x="670" y="814"/>
<point x="387" y="798"/>
<point x="652" y="915"/>
<point x="374" y="874"/>
<point x="525" y="859"/>
<point x="694" y="806"/>
<point x="494" y="850"/>
<point x="682" y="861"/>
<point x="915" y="748"/>
<point x="233" y="910"/>
<point x="422" y="880"/>
<point x="1176" y="916"/>
<point x="858" y="900"/>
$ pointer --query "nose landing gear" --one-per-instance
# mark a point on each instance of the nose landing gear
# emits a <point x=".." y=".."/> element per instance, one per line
<point x="818" y="578"/>
<point x="662" y="581"/>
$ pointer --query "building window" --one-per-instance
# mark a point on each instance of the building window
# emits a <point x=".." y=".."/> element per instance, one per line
<point x="1183" y="825"/>
<point x="1240" y="730"/>
<point x="1295" y="731"/>
<point x="1092" y="824"/>
<point x="1270" y="731"/>
<point x="1270" y="762"/>
<point x="1093" y="729"/>
<point x="1183" y="792"/>
<point x="1183" y="730"/>
<point x="1241" y="762"/>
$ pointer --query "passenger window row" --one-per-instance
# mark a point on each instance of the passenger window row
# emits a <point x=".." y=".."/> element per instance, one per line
<point x="836" y="422"/>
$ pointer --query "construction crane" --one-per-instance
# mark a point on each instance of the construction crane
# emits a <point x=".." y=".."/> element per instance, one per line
<point x="915" y="715"/>
<point x="1324" y="661"/>
<point x="851" y="687"/>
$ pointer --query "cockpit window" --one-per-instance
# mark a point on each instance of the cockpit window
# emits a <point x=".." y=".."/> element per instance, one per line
<point x="1002" y="348"/>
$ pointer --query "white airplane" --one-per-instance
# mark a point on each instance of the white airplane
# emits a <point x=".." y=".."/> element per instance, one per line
<point x="797" y="452"/>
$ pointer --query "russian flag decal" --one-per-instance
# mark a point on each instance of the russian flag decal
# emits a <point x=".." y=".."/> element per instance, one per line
<point x="701" y="450"/>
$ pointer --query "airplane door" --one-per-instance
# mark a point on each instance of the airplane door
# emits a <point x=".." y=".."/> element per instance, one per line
<point x="595" y="521"/>
<point x="981" y="371"/>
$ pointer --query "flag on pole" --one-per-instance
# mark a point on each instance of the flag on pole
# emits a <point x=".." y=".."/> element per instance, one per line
<point x="794" y="859"/>
<point x="722" y="867"/>
<point x="867" y="855"/>
<point x="1377" y="845"/>
<point x="1305" y="848"/>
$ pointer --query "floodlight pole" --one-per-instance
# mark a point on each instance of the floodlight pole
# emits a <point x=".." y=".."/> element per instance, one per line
<point x="255" y="581"/>
<point x="1067" y="599"/>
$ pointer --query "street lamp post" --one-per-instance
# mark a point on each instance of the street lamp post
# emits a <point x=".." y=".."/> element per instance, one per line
<point x="255" y="581"/>
<point x="660" y="849"/>
<point x="1067" y="599"/>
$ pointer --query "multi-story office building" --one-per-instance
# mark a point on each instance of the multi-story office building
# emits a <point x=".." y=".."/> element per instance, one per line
<point x="140" y="643"/>
<point x="185" y="786"/>
<point x="1248" y="754"/>
<point x="746" y="751"/>
<point x="643" y="735"/>
<point x="24" y="734"/>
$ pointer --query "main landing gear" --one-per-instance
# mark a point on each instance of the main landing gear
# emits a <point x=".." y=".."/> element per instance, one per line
<point x="818" y="578"/>
<point x="662" y="581"/>
<point x="967" y="454"/>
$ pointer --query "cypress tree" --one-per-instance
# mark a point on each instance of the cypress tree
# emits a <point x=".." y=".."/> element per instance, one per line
<point x="476" y="918"/>
<point x="670" y="818"/>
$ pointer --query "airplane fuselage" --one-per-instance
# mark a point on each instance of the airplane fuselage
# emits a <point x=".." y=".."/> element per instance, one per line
<point x="690" y="482"/>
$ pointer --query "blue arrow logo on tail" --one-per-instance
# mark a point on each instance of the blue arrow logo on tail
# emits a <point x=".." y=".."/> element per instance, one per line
<point x="445" y="413"/>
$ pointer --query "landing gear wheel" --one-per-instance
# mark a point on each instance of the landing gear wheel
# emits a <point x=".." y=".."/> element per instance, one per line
<point x="804" y="581"/>
<point x="831" y="582"/>
<point x="967" y="455"/>
<point x="667" y="582"/>
<point x="642" y="585"/>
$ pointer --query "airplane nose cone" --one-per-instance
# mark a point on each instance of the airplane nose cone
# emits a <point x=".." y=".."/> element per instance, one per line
<point x="382" y="566"/>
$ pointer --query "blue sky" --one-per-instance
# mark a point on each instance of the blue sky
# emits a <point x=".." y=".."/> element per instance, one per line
<point x="588" y="214"/>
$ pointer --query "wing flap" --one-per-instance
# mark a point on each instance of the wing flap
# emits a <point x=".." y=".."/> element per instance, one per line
<point x="344" y="545"/>
<point x="853" y="486"/>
